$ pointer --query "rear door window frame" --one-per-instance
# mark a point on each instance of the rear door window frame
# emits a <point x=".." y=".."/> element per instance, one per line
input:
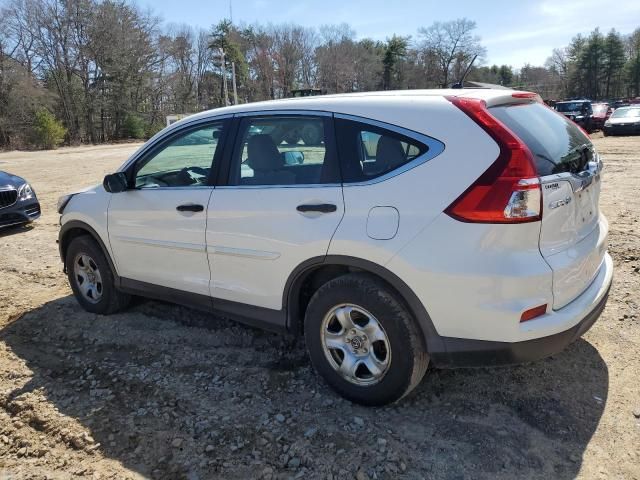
<point x="224" y="178"/>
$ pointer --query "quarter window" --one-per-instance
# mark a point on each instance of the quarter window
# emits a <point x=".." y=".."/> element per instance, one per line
<point x="368" y="151"/>
<point x="184" y="161"/>
<point x="280" y="150"/>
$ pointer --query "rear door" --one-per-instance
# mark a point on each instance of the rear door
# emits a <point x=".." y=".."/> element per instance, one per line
<point x="573" y="232"/>
<point x="280" y="206"/>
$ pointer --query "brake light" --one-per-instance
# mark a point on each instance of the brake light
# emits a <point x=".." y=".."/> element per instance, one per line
<point x="524" y="95"/>
<point x="509" y="190"/>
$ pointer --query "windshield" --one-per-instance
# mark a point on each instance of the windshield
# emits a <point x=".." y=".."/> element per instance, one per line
<point x="626" y="113"/>
<point x="557" y="144"/>
<point x="569" y="107"/>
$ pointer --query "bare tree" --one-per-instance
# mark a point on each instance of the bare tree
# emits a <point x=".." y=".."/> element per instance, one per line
<point x="108" y="70"/>
<point x="452" y="45"/>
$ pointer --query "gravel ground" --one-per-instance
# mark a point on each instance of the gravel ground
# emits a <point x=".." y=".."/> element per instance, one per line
<point x="161" y="391"/>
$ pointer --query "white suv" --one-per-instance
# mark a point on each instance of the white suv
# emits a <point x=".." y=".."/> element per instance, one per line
<point x="396" y="229"/>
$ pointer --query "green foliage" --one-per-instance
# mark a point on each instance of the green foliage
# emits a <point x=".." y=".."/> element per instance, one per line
<point x="225" y="37"/>
<point x="133" y="127"/>
<point x="595" y="66"/>
<point x="395" y="51"/>
<point x="499" y="75"/>
<point x="49" y="132"/>
<point x="152" y="129"/>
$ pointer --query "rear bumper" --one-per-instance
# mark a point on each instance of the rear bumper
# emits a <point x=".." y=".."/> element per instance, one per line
<point x="461" y="352"/>
<point x="20" y="213"/>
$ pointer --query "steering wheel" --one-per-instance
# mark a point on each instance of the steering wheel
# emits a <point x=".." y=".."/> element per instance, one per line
<point x="198" y="170"/>
<point x="151" y="180"/>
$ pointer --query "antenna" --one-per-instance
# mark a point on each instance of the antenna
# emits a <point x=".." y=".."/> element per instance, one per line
<point x="460" y="84"/>
<point x="230" y="12"/>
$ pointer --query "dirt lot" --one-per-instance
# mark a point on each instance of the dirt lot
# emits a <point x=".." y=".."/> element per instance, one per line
<point x="165" y="392"/>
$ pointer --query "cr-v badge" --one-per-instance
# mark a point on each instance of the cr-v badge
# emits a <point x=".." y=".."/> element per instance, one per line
<point x="560" y="203"/>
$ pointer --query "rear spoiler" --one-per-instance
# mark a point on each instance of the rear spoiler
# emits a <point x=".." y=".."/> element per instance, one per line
<point x="508" y="97"/>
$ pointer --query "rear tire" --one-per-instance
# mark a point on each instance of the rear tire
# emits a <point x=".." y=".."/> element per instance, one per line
<point x="91" y="278"/>
<point x="363" y="341"/>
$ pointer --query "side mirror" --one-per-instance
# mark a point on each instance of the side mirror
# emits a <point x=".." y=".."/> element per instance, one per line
<point x="115" y="182"/>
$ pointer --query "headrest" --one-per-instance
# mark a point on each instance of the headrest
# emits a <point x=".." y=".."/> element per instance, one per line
<point x="389" y="154"/>
<point x="262" y="153"/>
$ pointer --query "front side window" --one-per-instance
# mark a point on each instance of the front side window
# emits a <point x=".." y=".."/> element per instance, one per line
<point x="367" y="151"/>
<point x="185" y="161"/>
<point x="280" y="150"/>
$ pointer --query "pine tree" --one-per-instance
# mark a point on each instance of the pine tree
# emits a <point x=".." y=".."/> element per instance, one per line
<point x="613" y="61"/>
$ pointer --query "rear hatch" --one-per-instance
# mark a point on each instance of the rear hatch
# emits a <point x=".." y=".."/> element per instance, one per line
<point x="573" y="233"/>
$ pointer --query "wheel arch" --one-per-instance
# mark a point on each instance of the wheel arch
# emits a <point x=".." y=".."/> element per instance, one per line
<point x="311" y="274"/>
<point x="76" y="228"/>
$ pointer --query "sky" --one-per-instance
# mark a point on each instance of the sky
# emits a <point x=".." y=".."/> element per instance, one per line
<point x="514" y="32"/>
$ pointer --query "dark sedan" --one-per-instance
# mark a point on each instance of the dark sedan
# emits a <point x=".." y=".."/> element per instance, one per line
<point x="18" y="201"/>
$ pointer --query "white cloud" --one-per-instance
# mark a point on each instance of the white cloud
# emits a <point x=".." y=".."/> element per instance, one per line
<point x="552" y="24"/>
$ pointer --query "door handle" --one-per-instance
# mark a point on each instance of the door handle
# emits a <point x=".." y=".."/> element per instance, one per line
<point x="190" y="208"/>
<point x="322" y="208"/>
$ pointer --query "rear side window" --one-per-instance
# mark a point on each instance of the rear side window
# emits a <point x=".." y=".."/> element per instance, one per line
<point x="557" y="144"/>
<point x="368" y="151"/>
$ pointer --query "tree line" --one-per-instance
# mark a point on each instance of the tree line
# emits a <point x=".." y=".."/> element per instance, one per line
<point x="101" y="70"/>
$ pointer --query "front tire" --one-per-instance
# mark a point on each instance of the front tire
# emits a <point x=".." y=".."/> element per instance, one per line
<point x="91" y="278"/>
<point x="363" y="341"/>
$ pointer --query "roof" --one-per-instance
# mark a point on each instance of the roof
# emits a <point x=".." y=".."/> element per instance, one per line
<point x="341" y="101"/>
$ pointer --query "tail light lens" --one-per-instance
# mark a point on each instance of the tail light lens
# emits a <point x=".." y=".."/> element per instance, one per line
<point x="509" y="190"/>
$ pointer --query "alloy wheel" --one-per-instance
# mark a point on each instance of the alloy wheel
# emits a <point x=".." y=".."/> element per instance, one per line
<point x="355" y="344"/>
<point x="88" y="277"/>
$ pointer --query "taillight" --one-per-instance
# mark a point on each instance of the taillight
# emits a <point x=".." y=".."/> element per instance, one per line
<point x="509" y="190"/>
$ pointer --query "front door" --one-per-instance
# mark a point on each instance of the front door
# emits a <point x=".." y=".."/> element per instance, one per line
<point x="281" y="205"/>
<point x="157" y="228"/>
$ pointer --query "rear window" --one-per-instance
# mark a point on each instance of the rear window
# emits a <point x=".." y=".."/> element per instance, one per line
<point x="557" y="144"/>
